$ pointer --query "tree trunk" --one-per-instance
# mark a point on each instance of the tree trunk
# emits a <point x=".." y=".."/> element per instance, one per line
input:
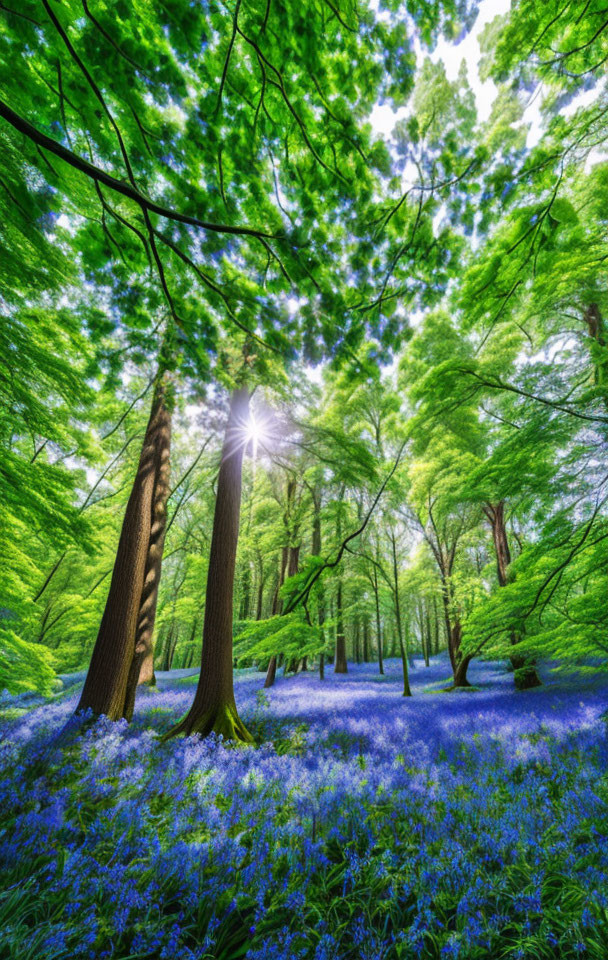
<point x="172" y="648"/>
<point x="460" y="673"/>
<point x="524" y="668"/>
<point x="246" y="591"/>
<point x="445" y="597"/>
<point x="595" y="325"/>
<point x="404" y="658"/>
<point x="436" y="625"/>
<point x="260" y="600"/>
<point x="426" y="642"/>
<point x="125" y="632"/>
<point x="142" y="666"/>
<point x="365" y="639"/>
<point x="276" y="608"/>
<point x="214" y="708"/>
<point x="271" y="672"/>
<point x="340" y="664"/>
<point x="357" y="641"/>
<point x="378" y="623"/>
<point x="316" y="551"/>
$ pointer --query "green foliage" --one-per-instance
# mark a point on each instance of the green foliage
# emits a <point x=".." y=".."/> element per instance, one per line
<point x="258" y="640"/>
<point x="24" y="666"/>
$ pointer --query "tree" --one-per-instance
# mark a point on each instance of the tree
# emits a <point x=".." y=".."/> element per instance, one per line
<point x="214" y="708"/>
<point x="125" y="634"/>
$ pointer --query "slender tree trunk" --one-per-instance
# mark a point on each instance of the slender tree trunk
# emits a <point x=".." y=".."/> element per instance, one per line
<point x="214" y="708"/>
<point x="316" y="551"/>
<point x="436" y="626"/>
<point x="174" y="640"/>
<point x="357" y="641"/>
<point x="453" y="629"/>
<point x="260" y="600"/>
<point x="378" y="623"/>
<point x="128" y="620"/>
<point x="595" y="325"/>
<point x="524" y="668"/>
<point x="445" y="598"/>
<point x="340" y="663"/>
<point x="404" y="658"/>
<point x="271" y="672"/>
<point x="168" y="648"/>
<point x="246" y="592"/>
<point x="365" y="639"/>
<point x="426" y="640"/>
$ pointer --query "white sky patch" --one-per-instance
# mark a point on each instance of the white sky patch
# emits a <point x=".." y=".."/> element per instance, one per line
<point x="453" y="54"/>
<point x="383" y="118"/>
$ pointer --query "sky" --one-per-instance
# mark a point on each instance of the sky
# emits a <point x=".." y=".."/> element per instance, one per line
<point x="383" y="118"/>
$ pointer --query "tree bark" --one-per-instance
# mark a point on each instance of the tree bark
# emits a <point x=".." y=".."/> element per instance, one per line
<point x="378" y="623"/>
<point x="340" y="663"/>
<point x="214" y="708"/>
<point x="461" y="662"/>
<point x="127" y="624"/>
<point x="460" y="674"/>
<point x="271" y="672"/>
<point x="404" y="658"/>
<point x="316" y="551"/>
<point x="142" y="666"/>
<point x="595" y="325"/>
<point x="357" y="640"/>
<point x="260" y="600"/>
<point x="365" y="639"/>
<point x="524" y="668"/>
<point x="436" y="625"/>
<point x="426" y="642"/>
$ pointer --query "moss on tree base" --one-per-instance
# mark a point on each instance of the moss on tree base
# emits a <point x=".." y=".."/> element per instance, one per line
<point x="223" y="720"/>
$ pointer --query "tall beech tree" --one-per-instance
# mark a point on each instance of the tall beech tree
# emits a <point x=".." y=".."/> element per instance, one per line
<point x="125" y="634"/>
<point x="214" y="708"/>
<point x="526" y="675"/>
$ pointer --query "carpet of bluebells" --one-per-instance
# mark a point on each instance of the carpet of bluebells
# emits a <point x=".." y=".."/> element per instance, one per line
<point x="364" y="826"/>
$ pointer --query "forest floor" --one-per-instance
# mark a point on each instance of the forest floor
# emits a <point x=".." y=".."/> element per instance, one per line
<point x="364" y="826"/>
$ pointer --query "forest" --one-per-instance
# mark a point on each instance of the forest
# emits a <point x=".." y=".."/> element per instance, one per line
<point x="303" y="483"/>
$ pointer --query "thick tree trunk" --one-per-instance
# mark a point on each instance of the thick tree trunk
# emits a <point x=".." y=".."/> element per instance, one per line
<point x="142" y="666"/>
<point x="524" y="668"/>
<point x="460" y="673"/>
<point x="214" y="708"/>
<point x="127" y="624"/>
<point x="461" y="662"/>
